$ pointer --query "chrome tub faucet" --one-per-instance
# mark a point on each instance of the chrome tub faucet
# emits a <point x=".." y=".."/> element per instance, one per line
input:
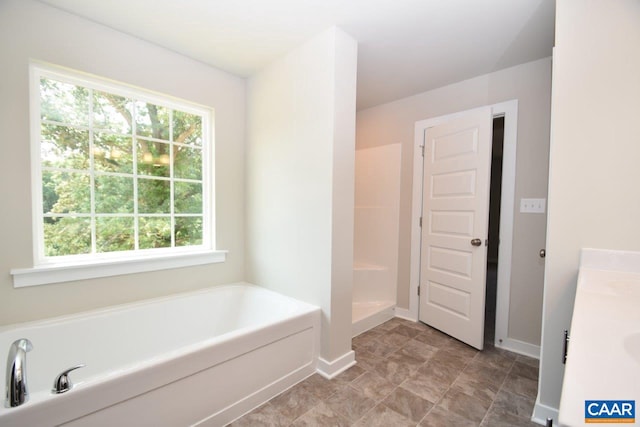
<point x="17" y="392"/>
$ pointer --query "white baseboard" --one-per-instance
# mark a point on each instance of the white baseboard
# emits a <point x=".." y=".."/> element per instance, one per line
<point x="542" y="412"/>
<point x="330" y="370"/>
<point x="405" y="314"/>
<point x="520" y="347"/>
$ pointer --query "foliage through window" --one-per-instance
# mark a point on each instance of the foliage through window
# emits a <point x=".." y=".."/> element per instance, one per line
<point x="120" y="170"/>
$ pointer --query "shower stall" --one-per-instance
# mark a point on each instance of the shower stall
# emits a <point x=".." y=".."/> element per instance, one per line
<point x="376" y="222"/>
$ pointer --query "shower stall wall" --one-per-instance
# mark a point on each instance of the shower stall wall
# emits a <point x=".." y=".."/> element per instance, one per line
<point x="377" y="208"/>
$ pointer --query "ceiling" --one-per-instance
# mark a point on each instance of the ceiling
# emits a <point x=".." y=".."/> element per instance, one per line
<point x="404" y="46"/>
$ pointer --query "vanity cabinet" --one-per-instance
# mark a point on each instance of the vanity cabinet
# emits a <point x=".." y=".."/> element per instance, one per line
<point x="603" y="357"/>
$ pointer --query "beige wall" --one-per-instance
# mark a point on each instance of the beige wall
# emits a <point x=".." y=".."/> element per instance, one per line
<point x="32" y="30"/>
<point x="530" y="84"/>
<point x="300" y="173"/>
<point x="594" y="173"/>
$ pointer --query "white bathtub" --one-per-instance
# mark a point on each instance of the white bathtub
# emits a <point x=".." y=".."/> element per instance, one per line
<point x="201" y="358"/>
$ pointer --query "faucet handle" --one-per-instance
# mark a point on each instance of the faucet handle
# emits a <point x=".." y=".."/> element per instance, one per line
<point x="62" y="383"/>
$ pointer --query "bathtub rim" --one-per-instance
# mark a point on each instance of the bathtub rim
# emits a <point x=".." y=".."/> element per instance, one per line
<point x="140" y="303"/>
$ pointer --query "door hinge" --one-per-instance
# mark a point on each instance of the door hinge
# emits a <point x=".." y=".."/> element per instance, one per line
<point x="420" y="222"/>
<point x="418" y="290"/>
<point x="422" y="147"/>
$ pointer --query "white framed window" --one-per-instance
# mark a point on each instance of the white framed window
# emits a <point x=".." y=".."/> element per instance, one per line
<point x="122" y="179"/>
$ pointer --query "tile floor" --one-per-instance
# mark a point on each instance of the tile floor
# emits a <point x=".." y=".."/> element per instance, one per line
<point x="409" y="374"/>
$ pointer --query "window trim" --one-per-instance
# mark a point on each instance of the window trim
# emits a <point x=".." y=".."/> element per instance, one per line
<point x="76" y="267"/>
<point x="47" y="274"/>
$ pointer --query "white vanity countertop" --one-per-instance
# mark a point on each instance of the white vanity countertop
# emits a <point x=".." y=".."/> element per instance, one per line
<point x="603" y="361"/>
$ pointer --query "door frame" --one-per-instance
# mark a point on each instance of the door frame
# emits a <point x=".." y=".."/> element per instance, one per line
<point x="508" y="109"/>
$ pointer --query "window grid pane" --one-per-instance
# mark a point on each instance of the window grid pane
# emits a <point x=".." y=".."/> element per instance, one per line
<point x="127" y="150"/>
<point x="94" y="222"/>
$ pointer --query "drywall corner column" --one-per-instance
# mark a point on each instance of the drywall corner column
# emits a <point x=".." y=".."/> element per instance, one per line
<point x="344" y="146"/>
<point x="594" y="153"/>
<point x="300" y="172"/>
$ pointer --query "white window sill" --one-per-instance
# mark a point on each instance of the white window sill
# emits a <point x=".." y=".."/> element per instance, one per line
<point x="43" y="275"/>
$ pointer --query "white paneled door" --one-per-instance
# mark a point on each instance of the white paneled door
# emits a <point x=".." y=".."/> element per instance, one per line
<point x="455" y="212"/>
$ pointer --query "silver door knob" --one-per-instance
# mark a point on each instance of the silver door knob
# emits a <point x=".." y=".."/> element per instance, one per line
<point x="543" y="253"/>
<point x="476" y="242"/>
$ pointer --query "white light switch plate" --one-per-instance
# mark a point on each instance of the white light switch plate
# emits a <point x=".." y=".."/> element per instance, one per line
<point x="532" y="205"/>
